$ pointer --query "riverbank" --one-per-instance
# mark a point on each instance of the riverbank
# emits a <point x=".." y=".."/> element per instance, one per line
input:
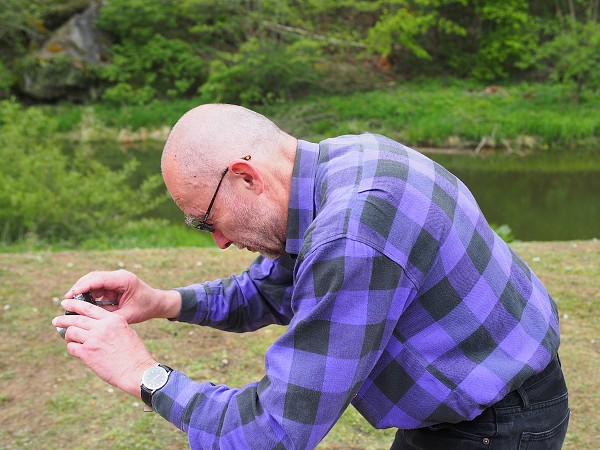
<point x="437" y="114"/>
<point x="37" y="370"/>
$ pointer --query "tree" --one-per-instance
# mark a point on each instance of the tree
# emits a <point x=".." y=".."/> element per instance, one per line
<point x="485" y="39"/>
<point x="573" y="57"/>
<point x="48" y="195"/>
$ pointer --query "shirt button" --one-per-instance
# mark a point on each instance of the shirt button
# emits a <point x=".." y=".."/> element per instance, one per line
<point x="486" y="441"/>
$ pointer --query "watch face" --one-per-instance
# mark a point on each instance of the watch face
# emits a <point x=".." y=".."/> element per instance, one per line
<point x="155" y="378"/>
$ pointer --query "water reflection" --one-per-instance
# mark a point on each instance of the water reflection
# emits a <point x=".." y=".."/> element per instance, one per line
<point x="539" y="205"/>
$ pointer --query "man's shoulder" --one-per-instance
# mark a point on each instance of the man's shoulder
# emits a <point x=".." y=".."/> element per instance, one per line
<point x="368" y="149"/>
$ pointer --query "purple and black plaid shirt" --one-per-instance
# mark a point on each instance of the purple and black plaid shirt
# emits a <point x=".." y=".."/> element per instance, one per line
<point x="398" y="296"/>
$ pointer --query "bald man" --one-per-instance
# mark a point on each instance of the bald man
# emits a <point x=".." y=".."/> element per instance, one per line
<point x="397" y="296"/>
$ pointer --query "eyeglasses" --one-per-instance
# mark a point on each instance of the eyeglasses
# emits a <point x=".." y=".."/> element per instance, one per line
<point x="203" y="224"/>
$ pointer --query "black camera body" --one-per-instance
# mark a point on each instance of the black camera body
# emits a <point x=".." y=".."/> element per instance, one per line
<point x="84" y="297"/>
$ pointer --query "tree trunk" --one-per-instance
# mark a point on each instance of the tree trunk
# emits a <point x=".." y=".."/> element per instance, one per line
<point x="572" y="10"/>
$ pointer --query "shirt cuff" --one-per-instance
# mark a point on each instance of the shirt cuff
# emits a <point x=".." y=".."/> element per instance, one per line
<point x="165" y="401"/>
<point x="190" y="307"/>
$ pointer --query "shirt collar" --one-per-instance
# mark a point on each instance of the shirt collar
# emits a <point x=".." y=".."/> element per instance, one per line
<point x="301" y="209"/>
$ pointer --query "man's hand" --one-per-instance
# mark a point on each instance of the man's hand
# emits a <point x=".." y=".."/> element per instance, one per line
<point x="105" y="342"/>
<point x="136" y="300"/>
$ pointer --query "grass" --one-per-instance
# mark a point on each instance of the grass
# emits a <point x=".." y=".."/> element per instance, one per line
<point x="49" y="400"/>
<point x="144" y="233"/>
<point x="429" y="112"/>
<point x="452" y="113"/>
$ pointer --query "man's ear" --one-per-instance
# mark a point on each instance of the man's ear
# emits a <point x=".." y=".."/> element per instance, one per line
<point x="249" y="175"/>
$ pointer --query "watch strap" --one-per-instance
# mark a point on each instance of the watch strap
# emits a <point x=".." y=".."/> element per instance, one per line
<point x="146" y="395"/>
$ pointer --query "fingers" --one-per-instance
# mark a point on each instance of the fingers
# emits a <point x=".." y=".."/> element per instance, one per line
<point x="109" y="296"/>
<point x="76" y="334"/>
<point x="102" y="283"/>
<point x="75" y="349"/>
<point x="84" y="309"/>
<point x="65" y="321"/>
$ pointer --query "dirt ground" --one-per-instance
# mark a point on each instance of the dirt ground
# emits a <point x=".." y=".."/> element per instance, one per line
<point x="50" y="400"/>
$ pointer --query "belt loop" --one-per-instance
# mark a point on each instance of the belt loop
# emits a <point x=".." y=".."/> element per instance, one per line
<point x="524" y="397"/>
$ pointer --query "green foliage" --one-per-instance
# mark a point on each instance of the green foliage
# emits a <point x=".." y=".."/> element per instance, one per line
<point x="160" y="46"/>
<point x="153" y="55"/>
<point x="439" y="112"/>
<point x="403" y="23"/>
<point x="507" y="39"/>
<point x="150" y="233"/>
<point x="239" y="48"/>
<point x="159" y="68"/>
<point x="263" y="72"/>
<point x="19" y="24"/>
<point x="486" y="40"/>
<point x="504" y="231"/>
<point x="449" y="114"/>
<point x="48" y="195"/>
<point x="204" y="23"/>
<point x="139" y="20"/>
<point x="573" y="58"/>
<point x="5" y="80"/>
<point x="217" y="24"/>
<point x="431" y="112"/>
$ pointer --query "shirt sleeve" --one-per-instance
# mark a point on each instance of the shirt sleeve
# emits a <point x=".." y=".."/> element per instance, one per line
<point x="258" y="297"/>
<point x="347" y="299"/>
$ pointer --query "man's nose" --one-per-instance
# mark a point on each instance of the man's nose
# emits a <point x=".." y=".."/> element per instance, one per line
<point x="221" y="240"/>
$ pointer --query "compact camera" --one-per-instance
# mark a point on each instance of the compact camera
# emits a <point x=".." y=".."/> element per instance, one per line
<point x="85" y="297"/>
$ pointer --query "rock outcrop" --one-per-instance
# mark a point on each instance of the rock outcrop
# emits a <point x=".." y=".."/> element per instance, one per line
<point x="63" y="67"/>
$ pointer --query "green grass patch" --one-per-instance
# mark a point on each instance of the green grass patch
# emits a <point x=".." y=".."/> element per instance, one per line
<point x="133" y="117"/>
<point x="444" y="113"/>
<point x="74" y="406"/>
<point x="144" y="233"/>
<point x="427" y="112"/>
<point x="151" y="233"/>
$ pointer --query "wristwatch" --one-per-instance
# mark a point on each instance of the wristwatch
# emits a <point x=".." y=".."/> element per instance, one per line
<point x="153" y="379"/>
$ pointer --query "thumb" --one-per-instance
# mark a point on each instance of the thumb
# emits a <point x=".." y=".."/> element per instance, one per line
<point x="129" y="313"/>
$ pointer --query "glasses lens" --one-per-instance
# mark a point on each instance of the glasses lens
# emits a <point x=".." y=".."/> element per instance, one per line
<point x="203" y="226"/>
<point x="198" y="224"/>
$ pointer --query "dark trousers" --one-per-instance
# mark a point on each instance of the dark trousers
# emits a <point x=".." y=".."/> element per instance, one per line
<point x="534" y="416"/>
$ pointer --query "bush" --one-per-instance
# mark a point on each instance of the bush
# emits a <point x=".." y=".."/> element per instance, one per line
<point x="507" y="37"/>
<point x="50" y="196"/>
<point x="5" y="80"/>
<point x="574" y="58"/>
<point x="485" y="40"/>
<point x="153" y="54"/>
<point x="160" y="68"/>
<point x="263" y="72"/>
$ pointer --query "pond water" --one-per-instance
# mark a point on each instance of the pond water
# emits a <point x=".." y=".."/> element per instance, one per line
<point x="542" y="206"/>
<point x="547" y="203"/>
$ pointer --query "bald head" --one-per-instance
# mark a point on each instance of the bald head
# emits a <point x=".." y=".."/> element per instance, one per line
<point x="208" y="137"/>
<point x="247" y="160"/>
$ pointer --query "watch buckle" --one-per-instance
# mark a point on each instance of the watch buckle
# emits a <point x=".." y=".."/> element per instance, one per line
<point x="147" y="408"/>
